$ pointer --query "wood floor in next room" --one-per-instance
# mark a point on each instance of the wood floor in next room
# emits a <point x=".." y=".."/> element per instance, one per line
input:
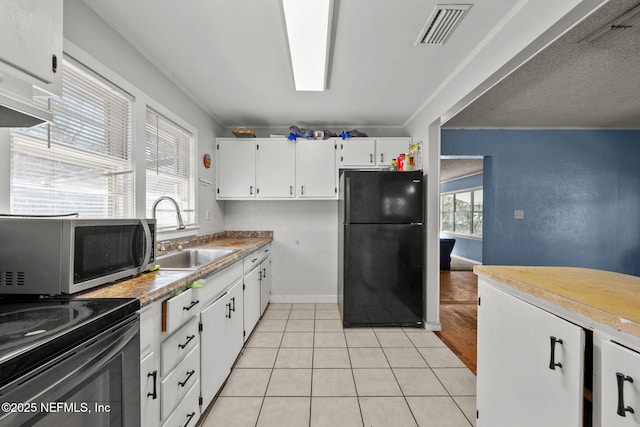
<point x="301" y="368"/>
<point x="459" y="314"/>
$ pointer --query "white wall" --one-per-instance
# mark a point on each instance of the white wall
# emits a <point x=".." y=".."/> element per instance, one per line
<point x="88" y="32"/>
<point x="305" y="245"/>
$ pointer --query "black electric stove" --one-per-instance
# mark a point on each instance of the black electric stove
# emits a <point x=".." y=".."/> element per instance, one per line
<point x="34" y="330"/>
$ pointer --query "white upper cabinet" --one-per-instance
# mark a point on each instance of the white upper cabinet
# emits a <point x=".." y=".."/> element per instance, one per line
<point x="236" y="168"/>
<point x="388" y="149"/>
<point x="316" y="172"/>
<point x="357" y="152"/>
<point x="31" y="48"/>
<point x="276" y="169"/>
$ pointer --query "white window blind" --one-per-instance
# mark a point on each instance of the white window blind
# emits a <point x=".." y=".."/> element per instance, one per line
<point x="170" y="170"/>
<point x="81" y="162"/>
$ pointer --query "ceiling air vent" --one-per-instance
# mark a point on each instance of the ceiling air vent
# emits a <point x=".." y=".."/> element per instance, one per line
<point x="615" y="28"/>
<point x="441" y="23"/>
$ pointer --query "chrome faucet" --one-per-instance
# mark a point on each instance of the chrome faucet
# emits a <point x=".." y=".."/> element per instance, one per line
<point x="178" y="215"/>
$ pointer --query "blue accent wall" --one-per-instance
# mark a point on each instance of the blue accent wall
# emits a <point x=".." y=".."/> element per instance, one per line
<point x="579" y="189"/>
<point x="464" y="247"/>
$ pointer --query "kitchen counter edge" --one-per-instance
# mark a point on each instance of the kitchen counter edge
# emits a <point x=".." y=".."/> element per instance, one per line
<point x="153" y="286"/>
<point x="607" y="298"/>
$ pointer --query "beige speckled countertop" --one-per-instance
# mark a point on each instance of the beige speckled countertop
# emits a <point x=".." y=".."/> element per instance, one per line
<point x="157" y="285"/>
<point x="612" y="299"/>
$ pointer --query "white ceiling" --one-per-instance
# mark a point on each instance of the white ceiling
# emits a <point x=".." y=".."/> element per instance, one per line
<point x="231" y="56"/>
<point x="572" y="83"/>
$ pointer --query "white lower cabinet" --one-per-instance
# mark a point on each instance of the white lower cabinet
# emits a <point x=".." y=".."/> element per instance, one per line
<point x="221" y="339"/>
<point x="179" y="381"/>
<point x="620" y="386"/>
<point x="188" y="411"/>
<point x="265" y="282"/>
<point x="252" y="301"/>
<point x="149" y="391"/>
<point x="530" y="364"/>
<point x="187" y="351"/>
<point x="150" y="365"/>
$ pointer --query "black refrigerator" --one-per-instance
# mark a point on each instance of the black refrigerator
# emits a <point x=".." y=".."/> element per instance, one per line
<point x="380" y="253"/>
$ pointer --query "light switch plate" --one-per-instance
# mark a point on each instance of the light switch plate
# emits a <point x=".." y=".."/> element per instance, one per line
<point x="518" y="214"/>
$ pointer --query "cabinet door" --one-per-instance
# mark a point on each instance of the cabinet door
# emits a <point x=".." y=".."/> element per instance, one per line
<point x="236" y="339"/>
<point x="530" y="364"/>
<point x="357" y="152"/>
<point x="620" y="385"/>
<point x="388" y="149"/>
<point x="316" y="169"/>
<point x="265" y="284"/>
<point x="215" y="339"/>
<point x="31" y="34"/>
<point x="276" y="168"/>
<point x="251" y="300"/>
<point x="149" y="391"/>
<point x="236" y="167"/>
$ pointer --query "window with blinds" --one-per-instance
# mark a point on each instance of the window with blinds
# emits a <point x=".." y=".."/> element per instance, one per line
<point x="169" y="157"/>
<point x="81" y="162"/>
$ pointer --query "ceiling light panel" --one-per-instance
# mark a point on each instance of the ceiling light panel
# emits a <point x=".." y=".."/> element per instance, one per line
<point x="308" y="27"/>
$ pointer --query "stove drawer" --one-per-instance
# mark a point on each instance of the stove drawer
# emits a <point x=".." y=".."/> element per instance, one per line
<point x="178" y="310"/>
<point x="178" y="345"/>
<point x="179" y="381"/>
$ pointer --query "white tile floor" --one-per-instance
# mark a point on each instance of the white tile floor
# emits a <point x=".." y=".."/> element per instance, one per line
<point x="301" y="368"/>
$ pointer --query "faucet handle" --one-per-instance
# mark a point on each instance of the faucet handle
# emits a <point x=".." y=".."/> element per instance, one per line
<point x="182" y="243"/>
<point x="162" y="246"/>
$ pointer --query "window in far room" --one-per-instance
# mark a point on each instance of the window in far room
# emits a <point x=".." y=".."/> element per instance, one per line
<point x="461" y="212"/>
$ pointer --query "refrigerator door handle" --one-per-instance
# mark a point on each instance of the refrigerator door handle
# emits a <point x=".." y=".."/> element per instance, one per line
<point x="416" y="223"/>
<point x="347" y="200"/>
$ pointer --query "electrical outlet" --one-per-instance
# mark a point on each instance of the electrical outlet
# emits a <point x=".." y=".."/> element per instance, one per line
<point x="208" y="215"/>
<point x="518" y="214"/>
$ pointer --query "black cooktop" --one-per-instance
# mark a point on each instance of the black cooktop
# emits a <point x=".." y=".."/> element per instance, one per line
<point x="34" y="330"/>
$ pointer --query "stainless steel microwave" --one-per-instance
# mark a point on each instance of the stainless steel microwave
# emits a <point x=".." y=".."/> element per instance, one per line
<point x="51" y="256"/>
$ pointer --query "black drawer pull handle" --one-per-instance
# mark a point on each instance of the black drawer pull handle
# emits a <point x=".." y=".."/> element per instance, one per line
<point x="186" y="343"/>
<point x="193" y="303"/>
<point x="228" y="314"/>
<point x="622" y="410"/>
<point x="154" y="393"/>
<point x="189" y="418"/>
<point x="552" y="359"/>
<point x="186" y="380"/>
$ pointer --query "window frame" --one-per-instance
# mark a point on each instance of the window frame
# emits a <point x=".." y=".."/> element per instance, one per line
<point x="471" y="234"/>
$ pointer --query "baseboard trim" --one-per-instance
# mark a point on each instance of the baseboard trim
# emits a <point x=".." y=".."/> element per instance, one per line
<point x="305" y="299"/>
<point x="472" y="261"/>
<point x="433" y="327"/>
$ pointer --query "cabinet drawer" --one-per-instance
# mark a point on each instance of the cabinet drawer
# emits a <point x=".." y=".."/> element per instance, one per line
<point x="176" y="385"/>
<point x="218" y="283"/>
<point x="178" y="345"/>
<point x="188" y="411"/>
<point x="177" y="310"/>
<point x="251" y="261"/>
<point x="264" y="252"/>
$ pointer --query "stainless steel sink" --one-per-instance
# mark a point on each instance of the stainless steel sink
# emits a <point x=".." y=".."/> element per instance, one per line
<point x="192" y="259"/>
